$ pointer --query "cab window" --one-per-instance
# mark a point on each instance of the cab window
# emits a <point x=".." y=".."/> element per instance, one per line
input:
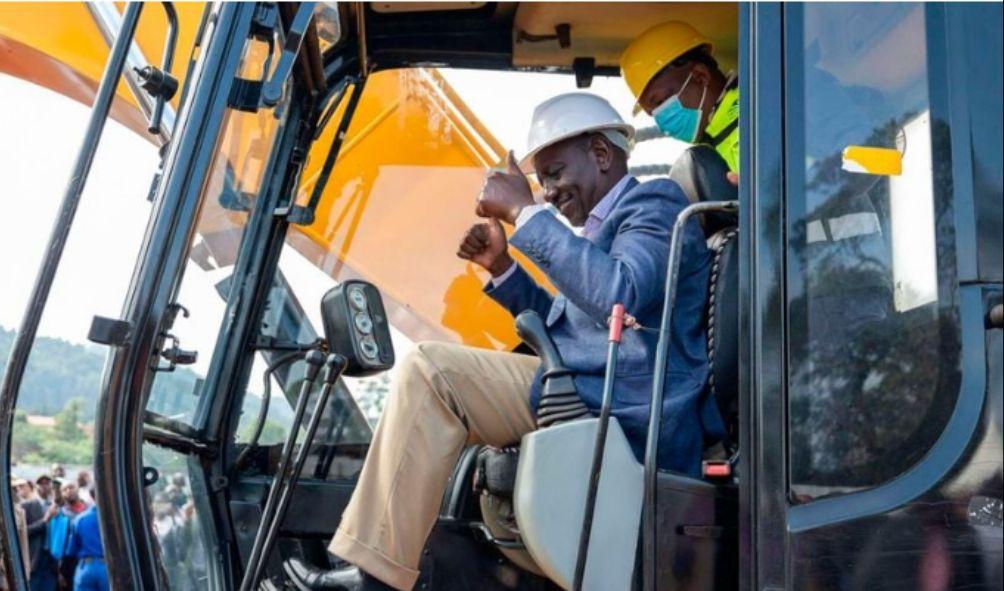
<point x="229" y="194"/>
<point x="396" y="205"/>
<point x="62" y="381"/>
<point x="873" y="369"/>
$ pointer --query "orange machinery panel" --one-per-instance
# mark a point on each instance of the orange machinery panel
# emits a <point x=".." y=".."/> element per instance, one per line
<point x="57" y="45"/>
<point x="400" y="198"/>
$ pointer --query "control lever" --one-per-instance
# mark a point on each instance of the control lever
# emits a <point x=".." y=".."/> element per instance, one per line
<point x="314" y="359"/>
<point x="282" y="487"/>
<point x="557" y="378"/>
<point x="599" y="445"/>
<point x="559" y="400"/>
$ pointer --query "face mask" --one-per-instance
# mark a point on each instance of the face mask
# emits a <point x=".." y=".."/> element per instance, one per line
<point x="677" y="121"/>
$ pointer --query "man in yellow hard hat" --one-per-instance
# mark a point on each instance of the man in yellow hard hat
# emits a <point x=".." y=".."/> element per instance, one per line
<point x="672" y="72"/>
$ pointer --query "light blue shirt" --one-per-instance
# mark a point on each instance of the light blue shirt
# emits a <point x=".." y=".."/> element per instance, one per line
<point x="602" y="209"/>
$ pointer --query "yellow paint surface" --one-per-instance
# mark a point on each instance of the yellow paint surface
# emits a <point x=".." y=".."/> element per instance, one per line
<point x="870" y="160"/>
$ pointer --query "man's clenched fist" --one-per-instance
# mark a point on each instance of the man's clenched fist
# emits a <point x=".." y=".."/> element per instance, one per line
<point x="486" y="245"/>
<point x="505" y="194"/>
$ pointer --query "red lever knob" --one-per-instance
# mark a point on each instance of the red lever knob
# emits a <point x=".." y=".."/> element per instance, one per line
<point x="616" y="323"/>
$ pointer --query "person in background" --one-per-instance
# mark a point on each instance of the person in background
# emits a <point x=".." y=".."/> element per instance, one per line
<point x="43" y="488"/>
<point x="671" y="70"/>
<point x="43" y="568"/>
<point x="58" y="472"/>
<point x="57" y="492"/>
<point x="63" y="514"/>
<point x="85" y="547"/>
<point x="85" y="486"/>
<point x="72" y="502"/>
<point x="23" y="489"/>
<point x="176" y="490"/>
<point x="21" y="524"/>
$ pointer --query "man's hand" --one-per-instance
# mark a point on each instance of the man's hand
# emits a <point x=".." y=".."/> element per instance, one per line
<point x="486" y="245"/>
<point x="732" y="177"/>
<point x="505" y="194"/>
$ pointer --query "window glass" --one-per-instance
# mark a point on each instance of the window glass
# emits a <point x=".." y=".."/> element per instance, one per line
<point x="177" y="519"/>
<point x="42" y="133"/>
<point x="401" y="195"/>
<point x="230" y="191"/>
<point x="392" y="212"/>
<point x="873" y="368"/>
<point x="347" y="422"/>
<point x="983" y="41"/>
<point x="328" y="23"/>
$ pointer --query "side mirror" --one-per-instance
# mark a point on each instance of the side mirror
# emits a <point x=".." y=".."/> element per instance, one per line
<point x="355" y="325"/>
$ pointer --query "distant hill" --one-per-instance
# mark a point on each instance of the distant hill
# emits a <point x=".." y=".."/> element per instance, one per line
<point x="59" y="370"/>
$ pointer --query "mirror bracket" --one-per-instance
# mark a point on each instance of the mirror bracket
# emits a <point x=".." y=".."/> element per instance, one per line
<point x="267" y="343"/>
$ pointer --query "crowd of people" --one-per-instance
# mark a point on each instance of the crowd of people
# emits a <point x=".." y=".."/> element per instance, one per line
<point x="60" y="539"/>
<point x="58" y="530"/>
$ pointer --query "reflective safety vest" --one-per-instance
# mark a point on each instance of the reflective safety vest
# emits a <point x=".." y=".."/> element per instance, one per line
<point x="722" y="132"/>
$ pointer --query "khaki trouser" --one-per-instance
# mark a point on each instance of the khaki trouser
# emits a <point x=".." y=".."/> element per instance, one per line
<point x="445" y="396"/>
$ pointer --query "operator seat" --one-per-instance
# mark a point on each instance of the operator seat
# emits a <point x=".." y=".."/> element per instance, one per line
<point x="701" y="173"/>
<point x="723" y="332"/>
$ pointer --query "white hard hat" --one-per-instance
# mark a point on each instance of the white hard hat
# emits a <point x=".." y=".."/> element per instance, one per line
<point x="572" y="114"/>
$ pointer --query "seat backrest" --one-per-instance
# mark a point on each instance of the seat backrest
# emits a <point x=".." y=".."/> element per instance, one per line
<point x="701" y="173"/>
<point x="723" y="327"/>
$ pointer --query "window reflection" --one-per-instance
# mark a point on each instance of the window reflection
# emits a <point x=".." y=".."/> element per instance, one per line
<point x="911" y="203"/>
<point x="231" y="188"/>
<point x="177" y="525"/>
<point x="328" y="23"/>
<point x="873" y="344"/>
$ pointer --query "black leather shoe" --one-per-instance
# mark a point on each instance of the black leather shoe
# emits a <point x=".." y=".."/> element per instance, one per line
<point x="308" y="577"/>
<point x="349" y="578"/>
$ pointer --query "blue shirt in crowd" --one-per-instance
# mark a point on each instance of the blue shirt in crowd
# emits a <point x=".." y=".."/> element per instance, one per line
<point x="85" y="537"/>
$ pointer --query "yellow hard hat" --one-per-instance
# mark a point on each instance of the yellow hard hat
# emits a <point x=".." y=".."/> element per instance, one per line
<point x="656" y="48"/>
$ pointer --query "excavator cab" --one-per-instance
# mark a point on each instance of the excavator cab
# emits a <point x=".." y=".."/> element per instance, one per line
<point x="315" y="168"/>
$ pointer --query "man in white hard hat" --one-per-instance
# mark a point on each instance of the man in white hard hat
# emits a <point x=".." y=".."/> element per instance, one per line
<point x="447" y="396"/>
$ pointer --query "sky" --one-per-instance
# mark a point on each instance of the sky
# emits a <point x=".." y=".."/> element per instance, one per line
<point x="41" y="132"/>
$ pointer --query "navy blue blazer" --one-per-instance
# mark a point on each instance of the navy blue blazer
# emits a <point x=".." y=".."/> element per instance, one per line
<point x="625" y="262"/>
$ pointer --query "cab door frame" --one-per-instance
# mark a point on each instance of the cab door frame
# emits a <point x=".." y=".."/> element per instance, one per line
<point x="768" y="520"/>
<point x="130" y="549"/>
<point x="762" y="359"/>
<point x="122" y="423"/>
